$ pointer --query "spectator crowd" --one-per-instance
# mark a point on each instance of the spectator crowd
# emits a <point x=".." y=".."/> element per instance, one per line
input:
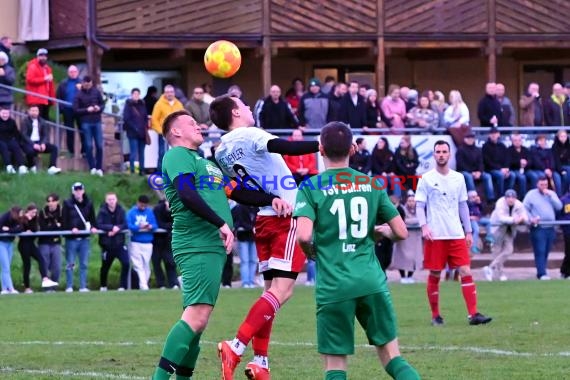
<point x="491" y="169"/>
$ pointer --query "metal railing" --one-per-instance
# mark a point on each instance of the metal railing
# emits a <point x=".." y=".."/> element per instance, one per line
<point x="69" y="233"/>
<point x="437" y="131"/>
<point x="59" y="104"/>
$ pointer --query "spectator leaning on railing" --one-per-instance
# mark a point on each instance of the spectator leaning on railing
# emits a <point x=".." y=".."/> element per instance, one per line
<point x="28" y="249"/>
<point x="51" y="219"/>
<point x="9" y="223"/>
<point x="112" y="221"/>
<point x="141" y="223"/>
<point x="79" y="217"/>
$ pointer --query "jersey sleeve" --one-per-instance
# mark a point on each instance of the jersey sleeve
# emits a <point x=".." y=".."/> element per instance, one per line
<point x="259" y="138"/>
<point x="178" y="162"/>
<point x="386" y="209"/>
<point x="462" y="191"/>
<point x="421" y="193"/>
<point x="305" y="205"/>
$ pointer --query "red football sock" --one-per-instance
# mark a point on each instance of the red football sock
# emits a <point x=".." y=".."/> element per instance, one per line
<point x="433" y="294"/>
<point x="469" y="294"/>
<point x="262" y="312"/>
<point x="260" y="342"/>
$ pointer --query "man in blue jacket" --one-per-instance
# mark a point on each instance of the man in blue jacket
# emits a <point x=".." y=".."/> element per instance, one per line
<point x="142" y="223"/>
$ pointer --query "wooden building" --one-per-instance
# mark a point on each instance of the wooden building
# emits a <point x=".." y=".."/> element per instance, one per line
<point x="435" y="44"/>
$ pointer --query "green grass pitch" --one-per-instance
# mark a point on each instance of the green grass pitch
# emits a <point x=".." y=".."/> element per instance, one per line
<point x="119" y="335"/>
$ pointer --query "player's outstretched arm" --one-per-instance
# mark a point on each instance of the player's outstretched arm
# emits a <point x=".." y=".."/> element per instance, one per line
<point x="395" y="229"/>
<point x="305" y="236"/>
<point x="292" y="148"/>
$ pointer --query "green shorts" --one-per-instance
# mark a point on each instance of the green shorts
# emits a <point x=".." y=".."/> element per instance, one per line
<point x="201" y="276"/>
<point x="335" y="323"/>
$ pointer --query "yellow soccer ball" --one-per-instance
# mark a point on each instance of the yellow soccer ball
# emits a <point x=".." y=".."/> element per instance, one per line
<point x="222" y="59"/>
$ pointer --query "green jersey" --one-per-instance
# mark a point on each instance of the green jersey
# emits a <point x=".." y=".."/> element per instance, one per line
<point x="344" y="216"/>
<point x="191" y="233"/>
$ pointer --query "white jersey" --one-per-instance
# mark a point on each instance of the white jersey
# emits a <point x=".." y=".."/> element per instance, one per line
<point x="442" y="194"/>
<point x="243" y="155"/>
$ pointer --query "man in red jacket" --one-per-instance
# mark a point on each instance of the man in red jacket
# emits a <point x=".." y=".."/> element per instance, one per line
<point x="303" y="166"/>
<point x="39" y="79"/>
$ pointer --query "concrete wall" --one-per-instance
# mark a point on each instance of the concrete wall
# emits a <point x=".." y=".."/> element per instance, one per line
<point x="9" y="9"/>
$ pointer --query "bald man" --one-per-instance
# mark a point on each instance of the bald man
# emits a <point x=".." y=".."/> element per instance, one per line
<point x="66" y="91"/>
<point x="276" y="112"/>
<point x="556" y="108"/>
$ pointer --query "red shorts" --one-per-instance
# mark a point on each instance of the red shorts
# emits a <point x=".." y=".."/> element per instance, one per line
<point x="438" y="253"/>
<point x="276" y="243"/>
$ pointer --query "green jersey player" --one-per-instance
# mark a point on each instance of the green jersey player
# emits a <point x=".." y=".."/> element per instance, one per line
<point x="338" y="220"/>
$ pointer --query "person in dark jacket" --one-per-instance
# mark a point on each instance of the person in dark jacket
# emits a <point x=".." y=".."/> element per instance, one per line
<point x="360" y="160"/>
<point x="162" y="249"/>
<point x="66" y="91"/>
<point x="276" y="112"/>
<point x="112" y="221"/>
<point x="29" y="250"/>
<point x="335" y="102"/>
<point x="519" y="159"/>
<point x="496" y="161"/>
<point x="489" y="108"/>
<point x="406" y="161"/>
<point x="556" y="108"/>
<point x="88" y="106"/>
<point x="382" y="164"/>
<point x="35" y="135"/>
<point x="10" y="223"/>
<point x="10" y="139"/>
<point x="561" y="152"/>
<point x="373" y="110"/>
<point x="150" y="99"/>
<point x="469" y="161"/>
<point x="135" y="121"/>
<point x="79" y="217"/>
<point x="51" y="219"/>
<point x="565" y="215"/>
<point x="544" y="165"/>
<point x="8" y="78"/>
<point x="353" y="107"/>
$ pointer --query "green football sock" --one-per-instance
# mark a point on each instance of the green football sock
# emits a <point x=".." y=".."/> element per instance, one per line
<point x="335" y="374"/>
<point x="187" y="365"/>
<point x="400" y="369"/>
<point x="175" y="349"/>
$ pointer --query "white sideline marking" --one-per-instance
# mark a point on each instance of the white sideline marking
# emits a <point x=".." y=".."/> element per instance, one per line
<point x="476" y="350"/>
<point x="73" y="374"/>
